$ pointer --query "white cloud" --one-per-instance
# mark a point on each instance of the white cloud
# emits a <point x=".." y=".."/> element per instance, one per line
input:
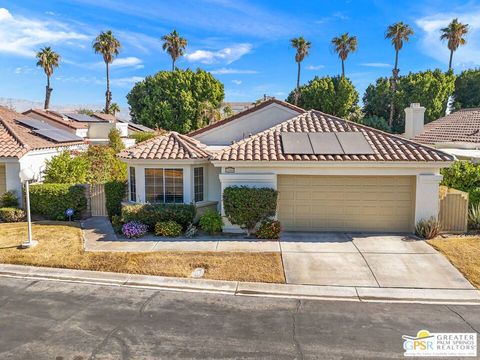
<point x="126" y="81"/>
<point x="466" y="55"/>
<point x="237" y="82"/>
<point x="228" y="71"/>
<point x="130" y="61"/>
<point x="226" y="55"/>
<point x="22" y="36"/>
<point x="23" y="70"/>
<point x="315" y="67"/>
<point x="376" y="65"/>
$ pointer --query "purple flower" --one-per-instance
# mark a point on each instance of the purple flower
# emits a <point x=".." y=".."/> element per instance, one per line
<point x="134" y="229"/>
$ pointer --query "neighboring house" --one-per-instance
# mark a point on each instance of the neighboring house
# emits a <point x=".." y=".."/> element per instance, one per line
<point x="27" y="143"/>
<point x="457" y="133"/>
<point x="243" y="124"/>
<point x="331" y="174"/>
<point x="94" y="129"/>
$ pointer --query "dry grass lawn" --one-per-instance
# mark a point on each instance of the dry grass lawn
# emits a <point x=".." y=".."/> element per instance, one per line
<point x="60" y="245"/>
<point x="464" y="253"/>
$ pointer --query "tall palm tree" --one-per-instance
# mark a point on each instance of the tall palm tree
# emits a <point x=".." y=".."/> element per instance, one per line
<point x="454" y="33"/>
<point x="48" y="60"/>
<point x="398" y="33"/>
<point x="113" y="110"/>
<point x="344" y="45"/>
<point x="302" y="46"/>
<point x="175" y="45"/>
<point x="107" y="45"/>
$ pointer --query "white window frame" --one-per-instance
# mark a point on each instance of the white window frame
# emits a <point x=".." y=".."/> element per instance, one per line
<point x="203" y="184"/>
<point x="163" y="183"/>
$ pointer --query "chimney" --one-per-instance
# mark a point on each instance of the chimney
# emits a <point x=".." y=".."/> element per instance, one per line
<point x="414" y="120"/>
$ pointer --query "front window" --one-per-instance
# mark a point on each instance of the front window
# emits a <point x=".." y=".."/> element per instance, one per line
<point x="133" y="185"/>
<point x="198" y="183"/>
<point x="164" y="185"/>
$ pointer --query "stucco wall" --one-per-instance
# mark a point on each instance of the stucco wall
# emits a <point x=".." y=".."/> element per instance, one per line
<point x="252" y="123"/>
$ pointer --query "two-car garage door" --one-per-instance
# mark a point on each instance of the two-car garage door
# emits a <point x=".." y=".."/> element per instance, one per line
<point x="346" y="203"/>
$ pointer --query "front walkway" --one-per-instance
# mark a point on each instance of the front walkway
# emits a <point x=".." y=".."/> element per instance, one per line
<point x="99" y="236"/>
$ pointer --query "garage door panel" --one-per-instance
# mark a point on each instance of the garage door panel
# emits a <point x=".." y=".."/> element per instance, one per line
<point x="346" y="203"/>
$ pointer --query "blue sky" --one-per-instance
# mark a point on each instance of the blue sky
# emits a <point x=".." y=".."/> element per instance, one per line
<point x="244" y="43"/>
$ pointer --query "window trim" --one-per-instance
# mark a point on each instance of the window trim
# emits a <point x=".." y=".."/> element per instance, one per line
<point x="132" y="189"/>
<point x="194" y="184"/>
<point x="164" y="184"/>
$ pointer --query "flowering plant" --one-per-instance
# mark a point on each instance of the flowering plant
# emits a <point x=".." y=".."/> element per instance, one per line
<point x="134" y="229"/>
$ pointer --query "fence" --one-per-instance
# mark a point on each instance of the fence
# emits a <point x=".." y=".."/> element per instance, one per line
<point x="453" y="215"/>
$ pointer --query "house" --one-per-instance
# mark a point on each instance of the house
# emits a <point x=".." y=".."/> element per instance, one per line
<point x="132" y="127"/>
<point x="331" y="174"/>
<point x="93" y="128"/>
<point x="457" y="133"/>
<point x="26" y="142"/>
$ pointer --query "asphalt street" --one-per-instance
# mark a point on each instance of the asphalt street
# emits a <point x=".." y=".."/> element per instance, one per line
<point x="60" y="320"/>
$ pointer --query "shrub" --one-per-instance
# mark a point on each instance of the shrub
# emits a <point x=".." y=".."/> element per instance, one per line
<point x="52" y="200"/>
<point x="211" y="222"/>
<point x="10" y="214"/>
<point x="150" y="214"/>
<point x="191" y="231"/>
<point x="116" y="223"/>
<point x="115" y="140"/>
<point x="140" y="136"/>
<point x="269" y="229"/>
<point x="465" y="176"/>
<point x="66" y="169"/>
<point x="114" y="194"/>
<point x="168" y="228"/>
<point x="246" y="207"/>
<point x="9" y="199"/>
<point x="428" y="228"/>
<point x="134" y="229"/>
<point x="474" y="217"/>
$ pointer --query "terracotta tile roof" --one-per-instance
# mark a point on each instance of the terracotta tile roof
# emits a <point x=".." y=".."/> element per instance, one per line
<point x="103" y="116"/>
<point x="16" y="139"/>
<point x="267" y="145"/>
<point x="172" y="146"/>
<point x="460" y="126"/>
<point x="246" y="112"/>
<point x="53" y="116"/>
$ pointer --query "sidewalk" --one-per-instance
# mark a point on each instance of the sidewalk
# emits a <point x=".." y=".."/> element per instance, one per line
<point x="235" y="288"/>
<point x="99" y="236"/>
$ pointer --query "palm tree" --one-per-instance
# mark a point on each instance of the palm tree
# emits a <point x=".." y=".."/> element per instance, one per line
<point x="175" y="45"/>
<point x="302" y="46"/>
<point x="107" y="45"/>
<point x="48" y="60"/>
<point x="209" y="112"/>
<point x="113" y="110"/>
<point x="398" y="33"/>
<point x="454" y="33"/>
<point x="344" y="45"/>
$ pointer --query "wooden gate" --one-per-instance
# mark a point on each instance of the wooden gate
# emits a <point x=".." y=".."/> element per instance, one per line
<point x="97" y="200"/>
<point x="453" y="215"/>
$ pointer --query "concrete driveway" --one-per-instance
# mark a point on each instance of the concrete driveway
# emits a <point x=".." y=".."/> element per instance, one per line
<point x="349" y="259"/>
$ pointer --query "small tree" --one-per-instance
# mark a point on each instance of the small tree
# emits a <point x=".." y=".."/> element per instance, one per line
<point x="115" y="140"/>
<point x="246" y="207"/>
<point x="66" y="169"/>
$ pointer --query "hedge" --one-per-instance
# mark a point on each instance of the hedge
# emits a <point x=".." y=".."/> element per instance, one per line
<point x="463" y="175"/>
<point x="150" y="214"/>
<point x="246" y="207"/>
<point x="114" y="194"/>
<point x="52" y="200"/>
<point x="10" y="214"/>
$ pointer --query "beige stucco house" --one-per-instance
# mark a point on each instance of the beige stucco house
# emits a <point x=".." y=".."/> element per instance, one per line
<point x="331" y="174"/>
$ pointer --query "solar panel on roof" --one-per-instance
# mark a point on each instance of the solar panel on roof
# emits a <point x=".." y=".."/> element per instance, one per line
<point x="325" y="144"/>
<point x="35" y="124"/>
<point x="82" y="118"/>
<point x="58" y="135"/>
<point x="296" y="143"/>
<point x="354" y="143"/>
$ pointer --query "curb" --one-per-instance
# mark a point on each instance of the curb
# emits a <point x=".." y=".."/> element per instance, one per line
<point x="237" y="288"/>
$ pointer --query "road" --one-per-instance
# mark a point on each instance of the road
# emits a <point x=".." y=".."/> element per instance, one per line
<point x="74" y="321"/>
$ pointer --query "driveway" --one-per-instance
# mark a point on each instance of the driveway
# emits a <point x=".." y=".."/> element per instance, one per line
<point x="373" y="260"/>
